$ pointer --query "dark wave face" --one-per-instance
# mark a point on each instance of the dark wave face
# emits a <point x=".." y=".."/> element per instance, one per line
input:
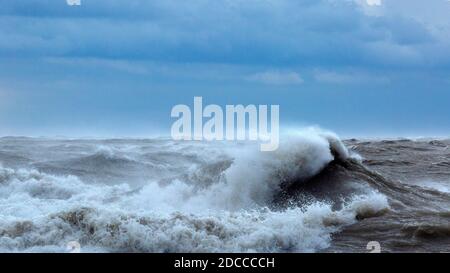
<point x="316" y="193"/>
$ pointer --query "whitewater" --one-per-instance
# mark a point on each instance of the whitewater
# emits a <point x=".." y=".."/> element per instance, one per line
<point x="315" y="193"/>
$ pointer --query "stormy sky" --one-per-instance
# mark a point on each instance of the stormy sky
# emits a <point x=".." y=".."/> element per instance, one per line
<point x="116" y="68"/>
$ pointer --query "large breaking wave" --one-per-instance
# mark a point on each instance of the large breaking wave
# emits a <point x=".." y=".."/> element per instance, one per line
<point x="192" y="197"/>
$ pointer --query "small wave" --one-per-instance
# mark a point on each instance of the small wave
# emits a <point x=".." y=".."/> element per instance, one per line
<point x="428" y="231"/>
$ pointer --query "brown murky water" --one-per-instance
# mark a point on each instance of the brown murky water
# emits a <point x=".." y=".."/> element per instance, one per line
<point x="125" y="195"/>
<point x="415" y="176"/>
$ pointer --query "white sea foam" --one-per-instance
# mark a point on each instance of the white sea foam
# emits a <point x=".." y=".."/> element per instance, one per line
<point x="42" y="212"/>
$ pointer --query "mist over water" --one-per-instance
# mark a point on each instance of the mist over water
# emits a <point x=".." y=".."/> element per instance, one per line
<point x="315" y="193"/>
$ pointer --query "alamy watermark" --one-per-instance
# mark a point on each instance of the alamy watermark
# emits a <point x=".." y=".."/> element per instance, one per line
<point x="237" y="122"/>
<point x="374" y="247"/>
<point x="73" y="247"/>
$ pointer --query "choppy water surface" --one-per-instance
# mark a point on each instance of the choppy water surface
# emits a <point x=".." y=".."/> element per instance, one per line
<point x="316" y="193"/>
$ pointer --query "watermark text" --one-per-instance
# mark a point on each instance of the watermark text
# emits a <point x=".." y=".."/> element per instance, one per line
<point x="237" y="122"/>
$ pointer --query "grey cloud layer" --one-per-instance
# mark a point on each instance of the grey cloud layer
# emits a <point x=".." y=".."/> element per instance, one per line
<point x="273" y="33"/>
